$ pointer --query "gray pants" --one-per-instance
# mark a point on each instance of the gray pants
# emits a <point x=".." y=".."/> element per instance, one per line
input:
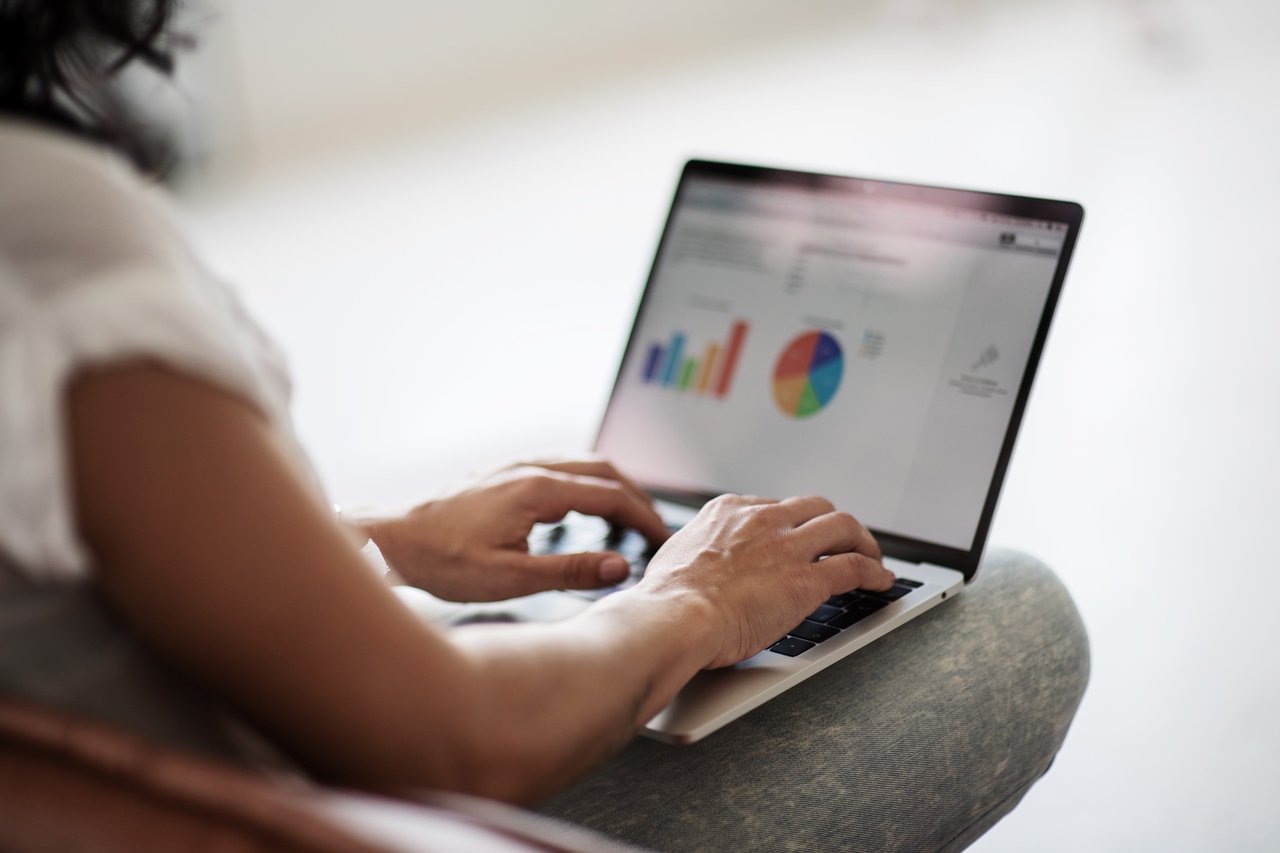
<point x="921" y="741"/>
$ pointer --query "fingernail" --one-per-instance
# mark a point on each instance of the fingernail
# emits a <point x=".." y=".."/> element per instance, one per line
<point x="613" y="569"/>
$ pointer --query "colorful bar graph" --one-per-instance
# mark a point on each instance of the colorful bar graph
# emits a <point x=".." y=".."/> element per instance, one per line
<point x="712" y="374"/>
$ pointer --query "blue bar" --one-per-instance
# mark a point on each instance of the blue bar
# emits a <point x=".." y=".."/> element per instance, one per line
<point x="673" y="359"/>
<point x="651" y="363"/>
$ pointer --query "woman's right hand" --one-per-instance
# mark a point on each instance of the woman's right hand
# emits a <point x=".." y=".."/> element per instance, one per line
<point x="761" y="566"/>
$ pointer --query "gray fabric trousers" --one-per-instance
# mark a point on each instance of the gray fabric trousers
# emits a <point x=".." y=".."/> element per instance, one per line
<point x="921" y="741"/>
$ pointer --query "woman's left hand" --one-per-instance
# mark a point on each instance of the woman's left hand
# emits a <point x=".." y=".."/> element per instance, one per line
<point x="472" y="545"/>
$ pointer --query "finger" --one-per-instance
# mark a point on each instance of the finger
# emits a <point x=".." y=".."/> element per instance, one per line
<point x="584" y="570"/>
<point x="804" y="508"/>
<point x="608" y="499"/>
<point x="594" y="468"/>
<point x="732" y="500"/>
<point x="852" y="570"/>
<point x="835" y="532"/>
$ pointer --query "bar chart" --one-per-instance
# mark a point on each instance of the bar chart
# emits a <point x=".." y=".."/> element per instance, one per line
<point x="676" y="365"/>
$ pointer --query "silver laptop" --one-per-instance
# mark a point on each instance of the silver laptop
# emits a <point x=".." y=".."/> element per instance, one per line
<point x="868" y="341"/>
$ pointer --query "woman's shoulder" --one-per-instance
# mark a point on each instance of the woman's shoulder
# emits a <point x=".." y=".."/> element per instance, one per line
<point x="70" y="210"/>
<point x="39" y="162"/>
<point x="94" y="270"/>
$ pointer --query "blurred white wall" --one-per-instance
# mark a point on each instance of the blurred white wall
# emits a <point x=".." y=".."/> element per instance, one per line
<point x="293" y="80"/>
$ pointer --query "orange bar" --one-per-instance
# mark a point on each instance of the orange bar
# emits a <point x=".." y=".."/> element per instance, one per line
<point x="737" y="335"/>
<point x="708" y="364"/>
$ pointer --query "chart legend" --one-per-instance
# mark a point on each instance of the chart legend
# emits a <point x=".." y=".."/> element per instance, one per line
<point x="807" y="374"/>
<point x="673" y="365"/>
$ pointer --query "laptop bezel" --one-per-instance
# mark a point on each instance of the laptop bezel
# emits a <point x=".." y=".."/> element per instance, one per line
<point x="1069" y="213"/>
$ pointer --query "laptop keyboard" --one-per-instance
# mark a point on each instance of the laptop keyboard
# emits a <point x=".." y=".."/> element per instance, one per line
<point x="840" y="612"/>
<point x="586" y="533"/>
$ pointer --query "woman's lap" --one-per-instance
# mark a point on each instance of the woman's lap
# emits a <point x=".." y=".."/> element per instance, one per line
<point x="920" y="741"/>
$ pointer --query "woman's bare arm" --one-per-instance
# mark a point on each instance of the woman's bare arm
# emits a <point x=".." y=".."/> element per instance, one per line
<point x="208" y="542"/>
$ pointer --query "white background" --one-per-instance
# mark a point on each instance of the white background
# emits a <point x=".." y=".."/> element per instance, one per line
<point x="438" y="211"/>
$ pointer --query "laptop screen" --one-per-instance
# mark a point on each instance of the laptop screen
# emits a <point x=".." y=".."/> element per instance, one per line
<point x="860" y="340"/>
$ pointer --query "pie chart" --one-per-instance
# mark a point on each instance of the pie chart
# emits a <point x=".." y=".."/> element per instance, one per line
<point x="807" y="374"/>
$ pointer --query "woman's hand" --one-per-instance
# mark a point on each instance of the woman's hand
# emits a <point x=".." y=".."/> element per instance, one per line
<point x="762" y="565"/>
<point x="472" y="545"/>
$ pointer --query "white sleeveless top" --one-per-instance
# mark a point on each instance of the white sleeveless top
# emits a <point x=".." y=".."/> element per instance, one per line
<point x="92" y="270"/>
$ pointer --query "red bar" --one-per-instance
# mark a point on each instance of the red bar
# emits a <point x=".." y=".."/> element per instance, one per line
<point x="737" y="334"/>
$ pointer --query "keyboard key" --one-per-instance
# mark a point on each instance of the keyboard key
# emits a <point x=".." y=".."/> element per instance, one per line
<point x="844" y="599"/>
<point x="824" y="613"/>
<point x="909" y="582"/>
<point x="791" y="646"/>
<point x="848" y="619"/>
<point x="858" y="611"/>
<point x="813" y="632"/>
<point x="869" y="605"/>
<point x="893" y="594"/>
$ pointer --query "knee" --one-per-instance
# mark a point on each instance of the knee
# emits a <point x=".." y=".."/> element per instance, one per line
<point x="1035" y="620"/>
<point x="1033" y="603"/>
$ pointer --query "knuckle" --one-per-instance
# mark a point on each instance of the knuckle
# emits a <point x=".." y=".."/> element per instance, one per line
<point x="873" y="547"/>
<point x="535" y="483"/>
<point x="616" y="492"/>
<point x="855" y="528"/>
<point x="579" y="570"/>
<point x="762" y="517"/>
<point x="823" y="505"/>
<point x="770" y="510"/>
<point x="720" y="505"/>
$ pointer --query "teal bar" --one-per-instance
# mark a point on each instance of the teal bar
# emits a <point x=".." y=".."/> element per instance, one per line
<point x="673" y="359"/>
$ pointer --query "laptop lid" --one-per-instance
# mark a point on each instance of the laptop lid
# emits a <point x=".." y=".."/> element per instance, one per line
<point x="870" y="341"/>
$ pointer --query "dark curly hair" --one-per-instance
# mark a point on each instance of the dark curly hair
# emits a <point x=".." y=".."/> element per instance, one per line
<point x="60" y="62"/>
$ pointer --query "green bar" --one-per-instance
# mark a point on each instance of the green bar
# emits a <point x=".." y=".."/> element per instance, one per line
<point x="686" y="373"/>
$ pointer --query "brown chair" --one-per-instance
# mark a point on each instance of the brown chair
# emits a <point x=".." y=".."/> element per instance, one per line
<point x="70" y="784"/>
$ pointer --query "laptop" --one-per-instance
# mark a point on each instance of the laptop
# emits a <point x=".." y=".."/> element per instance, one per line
<point x="869" y="341"/>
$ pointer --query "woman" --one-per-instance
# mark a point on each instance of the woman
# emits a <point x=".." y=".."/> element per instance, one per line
<point x="165" y="548"/>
